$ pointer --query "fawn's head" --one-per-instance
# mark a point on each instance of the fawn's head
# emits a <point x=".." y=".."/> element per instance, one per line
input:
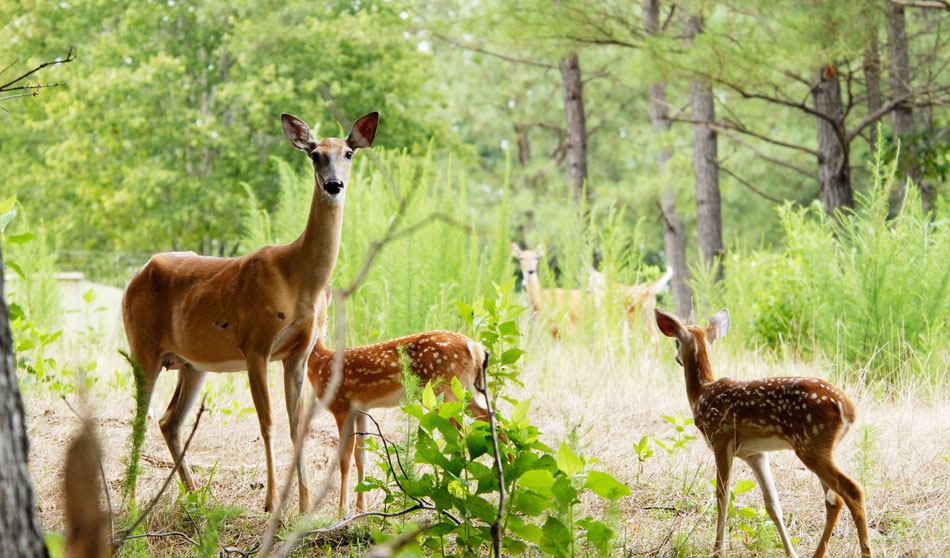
<point x="692" y="340"/>
<point x="331" y="157"/>
<point x="527" y="259"/>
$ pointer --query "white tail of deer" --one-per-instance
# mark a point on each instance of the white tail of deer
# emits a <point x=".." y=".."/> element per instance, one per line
<point x="561" y="306"/>
<point x="371" y="379"/>
<point x="196" y="313"/>
<point x="639" y="300"/>
<point x="746" y="419"/>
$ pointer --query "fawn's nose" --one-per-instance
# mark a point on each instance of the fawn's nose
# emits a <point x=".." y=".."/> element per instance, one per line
<point x="333" y="186"/>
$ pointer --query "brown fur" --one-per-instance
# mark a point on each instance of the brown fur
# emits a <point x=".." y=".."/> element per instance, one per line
<point x="746" y="419"/>
<point x="560" y="307"/>
<point x="371" y="378"/>
<point x="197" y="313"/>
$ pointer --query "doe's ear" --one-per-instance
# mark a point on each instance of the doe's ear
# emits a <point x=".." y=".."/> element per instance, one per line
<point x="718" y="325"/>
<point x="540" y="249"/>
<point x="670" y="325"/>
<point x="363" y="131"/>
<point x="298" y="133"/>
<point x="515" y="249"/>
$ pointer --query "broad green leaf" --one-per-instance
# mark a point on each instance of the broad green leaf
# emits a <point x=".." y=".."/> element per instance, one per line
<point x="606" y="486"/>
<point x="20" y="238"/>
<point x="744" y="486"/>
<point x="457" y="389"/>
<point x="556" y="538"/>
<point x="511" y="356"/>
<point x="564" y="492"/>
<point x="539" y="481"/>
<point x="428" y="396"/>
<point x="568" y="462"/>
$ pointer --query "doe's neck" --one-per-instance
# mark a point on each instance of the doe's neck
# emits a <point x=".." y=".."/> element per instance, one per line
<point x="313" y="255"/>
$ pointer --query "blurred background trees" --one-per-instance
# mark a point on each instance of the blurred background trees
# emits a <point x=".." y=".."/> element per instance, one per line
<point x="698" y="117"/>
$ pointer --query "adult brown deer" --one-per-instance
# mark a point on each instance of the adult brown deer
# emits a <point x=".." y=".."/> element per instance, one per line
<point x="746" y="419"/>
<point x="639" y="301"/>
<point x="197" y="313"/>
<point x="562" y="307"/>
<point x="372" y="378"/>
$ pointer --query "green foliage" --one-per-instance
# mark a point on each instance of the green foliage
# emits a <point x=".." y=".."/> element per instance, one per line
<point x="869" y="292"/>
<point x="137" y="437"/>
<point x="457" y="470"/>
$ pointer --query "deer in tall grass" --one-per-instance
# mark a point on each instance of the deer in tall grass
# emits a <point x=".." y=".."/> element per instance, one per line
<point x="562" y="307"/>
<point x="197" y="313"/>
<point x="639" y="301"/>
<point x="372" y="379"/>
<point x="747" y="419"/>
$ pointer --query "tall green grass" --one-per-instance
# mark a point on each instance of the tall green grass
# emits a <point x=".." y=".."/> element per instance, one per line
<point x="870" y="293"/>
<point x="416" y="279"/>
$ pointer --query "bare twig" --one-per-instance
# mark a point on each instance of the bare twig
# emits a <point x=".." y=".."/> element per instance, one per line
<point x="496" y="527"/>
<point x="161" y="536"/>
<point x="12" y="84"/>
<point x="746" y="183"/>
<point x="505" y="57"/>
<point x="168" y="480"/>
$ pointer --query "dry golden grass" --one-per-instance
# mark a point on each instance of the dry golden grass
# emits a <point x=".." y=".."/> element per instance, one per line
<point x="604" y="398"/>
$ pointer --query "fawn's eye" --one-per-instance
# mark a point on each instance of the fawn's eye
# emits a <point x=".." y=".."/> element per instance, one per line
<point x="349" y="155"/>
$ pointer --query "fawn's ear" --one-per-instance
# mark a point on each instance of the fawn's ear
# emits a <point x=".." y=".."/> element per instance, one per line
<point x="298" y="133"/>
<point x="718" y="325"/>
<point x="515" y="249"/>
<point x="328" y="292"/>
<point x="363" y="131"/>
<point x="670" y="325"/>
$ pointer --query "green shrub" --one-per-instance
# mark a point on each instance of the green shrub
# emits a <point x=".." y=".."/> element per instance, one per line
<point x="868" y="292"/>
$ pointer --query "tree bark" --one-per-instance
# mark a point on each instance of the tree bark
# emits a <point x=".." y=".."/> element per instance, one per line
<point x="834" y="166"/>
<point x="20" y="532"/>
<point x="705" y="163"/>
<point x="899" y="80"/>
<point x="674" y="232"/>
<point x="576" y="137"/>
<point x="872" y="79"/>
<point x="524" y="143"/>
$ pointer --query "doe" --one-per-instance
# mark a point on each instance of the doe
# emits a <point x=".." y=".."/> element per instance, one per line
<point x="746" y="419"/>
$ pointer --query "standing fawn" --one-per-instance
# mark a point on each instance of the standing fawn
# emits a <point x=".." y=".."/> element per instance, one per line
<point x="746" y="419"/>
<point x="372" y="379"/>
<point x="196" y="313"/>
<point x="637" y="299"/>
<point x="561" y="306"/>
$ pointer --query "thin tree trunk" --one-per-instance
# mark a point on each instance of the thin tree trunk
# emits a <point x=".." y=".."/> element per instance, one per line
<point x="674" y="232"/>
<point x="20" y="532"/>
<point x="834" y="168"/>
<point x="872" y="78"/>
<point x="576" y="137"/>
<point x="705" y="164"/>
<point x="899" y="80"/>
<point x="524" y="143"/>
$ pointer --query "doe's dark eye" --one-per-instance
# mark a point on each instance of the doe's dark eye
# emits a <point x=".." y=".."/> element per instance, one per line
<point x="349" y="155"/>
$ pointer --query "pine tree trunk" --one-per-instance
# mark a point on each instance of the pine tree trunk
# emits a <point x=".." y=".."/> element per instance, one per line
<point x="705" y="164"/>
<point x="899" y="80"/>
<point x="20" y="532"/>
<point x="576" y="140"/>
<point x="834" y="166"/>
<point x="872" y="78"/>
<point x="674" y="232"/>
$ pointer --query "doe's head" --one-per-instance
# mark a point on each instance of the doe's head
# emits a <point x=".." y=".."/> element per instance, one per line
<point x="527" y="259"/>
<point x="332" y="157"/>
<point x="689" y="338"/>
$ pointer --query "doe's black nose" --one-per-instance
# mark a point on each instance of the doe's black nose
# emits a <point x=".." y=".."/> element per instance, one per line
<point x="333" y="186"/>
